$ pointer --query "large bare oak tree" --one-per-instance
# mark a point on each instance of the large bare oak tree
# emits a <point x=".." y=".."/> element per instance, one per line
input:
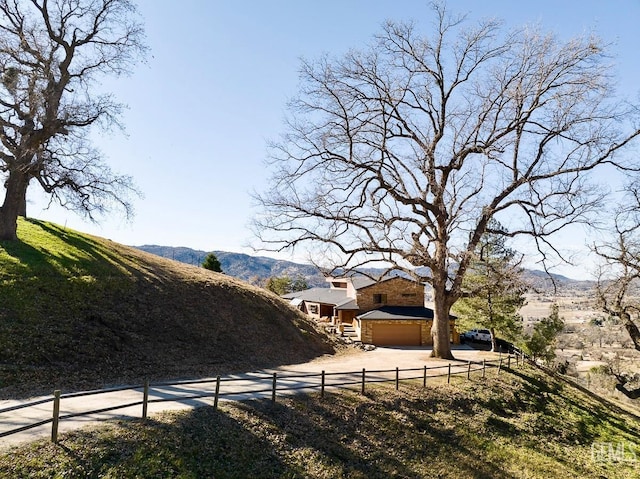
<point x="404" y="151"/>
<point x="51" y="54"/>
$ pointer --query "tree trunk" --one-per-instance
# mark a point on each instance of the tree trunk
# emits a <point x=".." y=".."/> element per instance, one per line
<point x="22" y="209"/>
<point x="440" y="331"/>
<point x="15" y="201"/>
<point x="632" y="329"/>
<point x="494" y="343"/>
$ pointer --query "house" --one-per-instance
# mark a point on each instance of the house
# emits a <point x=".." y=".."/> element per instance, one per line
<point x="387" y="312"/>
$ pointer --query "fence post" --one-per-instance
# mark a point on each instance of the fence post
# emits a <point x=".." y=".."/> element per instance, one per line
<point x="145" y="399"/>
<point x="215" y="398"/>
<point x="56" y="416"/>
<point x="499" y="366"/>
<point x="273" y="391"/>
<point x="363" y="380"/>
<point x="484" y="368"/>
<point x="449" y="374"/>
<point x="424" y="377"/>
<point x="469" y="370"/>
<point x="397" y="378"/>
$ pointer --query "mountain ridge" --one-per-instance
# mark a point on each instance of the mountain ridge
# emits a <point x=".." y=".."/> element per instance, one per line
<point x="257" y="269"/>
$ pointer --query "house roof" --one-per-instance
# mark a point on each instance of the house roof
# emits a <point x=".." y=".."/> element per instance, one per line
<point x="399" y="312"/>
<point x="319" y="295"/>
<point x="337" y="296"/>
<point x="348" y="303"/>
<point x="360" y="282"/>
<point x="296" y="301"/>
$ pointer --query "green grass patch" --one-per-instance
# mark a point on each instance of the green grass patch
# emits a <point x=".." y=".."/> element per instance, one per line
<point x="48" y="250"/>
<point x="521" y="425"/>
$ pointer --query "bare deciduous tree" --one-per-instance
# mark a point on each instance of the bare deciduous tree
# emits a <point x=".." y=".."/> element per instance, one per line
<point x="403" y="152"/>
<point x="627" y="382"/>
<point x="618" y="286"/>
<point x="51" y="53"/>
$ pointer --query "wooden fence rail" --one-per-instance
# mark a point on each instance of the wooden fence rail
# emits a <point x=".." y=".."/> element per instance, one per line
<point x="279" y="383"/>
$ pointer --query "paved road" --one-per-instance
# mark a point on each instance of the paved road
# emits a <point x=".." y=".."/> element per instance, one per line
<point x="290" y="379"/>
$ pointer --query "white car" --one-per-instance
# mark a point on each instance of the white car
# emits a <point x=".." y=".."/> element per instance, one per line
<point x="483" y="335"/>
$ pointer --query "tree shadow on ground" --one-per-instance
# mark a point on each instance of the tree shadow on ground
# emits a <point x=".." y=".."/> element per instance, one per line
<point x="309" y="437"/>
<point x="440" y="432"/>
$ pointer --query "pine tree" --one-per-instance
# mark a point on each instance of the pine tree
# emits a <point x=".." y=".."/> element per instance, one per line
<point x="211" y="262"/>
<point x="493" y="289"/>
<point x="284" y="284"/>
<point x="540" y="345"/>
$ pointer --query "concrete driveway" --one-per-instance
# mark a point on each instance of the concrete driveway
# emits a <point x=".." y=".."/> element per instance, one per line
<point x="388" y="358"/>
<point x="257" y="384"/>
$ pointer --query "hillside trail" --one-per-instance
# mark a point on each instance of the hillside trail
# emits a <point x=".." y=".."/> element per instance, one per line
<point x="234" y="387"/>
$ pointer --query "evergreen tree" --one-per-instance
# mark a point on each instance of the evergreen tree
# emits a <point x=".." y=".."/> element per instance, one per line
<point x="211" y="262"/>
<point x="284" y="284"/>
<point x="540" y="345"/>
<point x="493" y="289"/>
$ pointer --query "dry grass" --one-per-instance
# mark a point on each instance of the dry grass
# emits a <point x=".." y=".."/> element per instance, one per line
<point x="80" y="312"/>
<point x="520" y="424"/>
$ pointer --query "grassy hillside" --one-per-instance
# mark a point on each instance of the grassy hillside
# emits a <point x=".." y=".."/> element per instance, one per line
<point x="520" y="424"/>
<point x="78" y="311"/>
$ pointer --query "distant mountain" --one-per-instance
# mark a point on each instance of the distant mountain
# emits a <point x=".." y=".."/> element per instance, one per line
<point x="541" y="281"/>
<point x="253" y="269"/>
<point x="256" y="269"/>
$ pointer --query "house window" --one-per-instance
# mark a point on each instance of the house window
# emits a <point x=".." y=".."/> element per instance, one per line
<point x="313" y="309"/>
<point x="380" y="298"/>
<point x="409" y="295"/>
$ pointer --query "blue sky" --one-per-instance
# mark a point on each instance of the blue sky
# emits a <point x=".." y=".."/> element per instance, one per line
<point x="215" y="86"/>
